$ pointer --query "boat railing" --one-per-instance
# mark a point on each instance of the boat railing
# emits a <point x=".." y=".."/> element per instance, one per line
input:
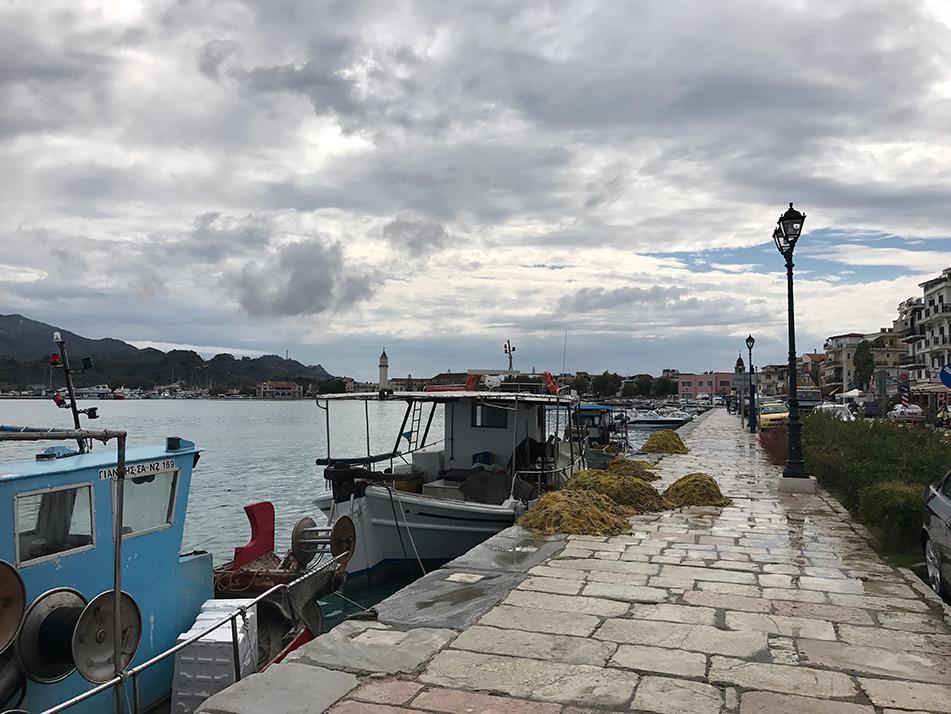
<point x="562" y="473"/>
<point x="241" y="611"/>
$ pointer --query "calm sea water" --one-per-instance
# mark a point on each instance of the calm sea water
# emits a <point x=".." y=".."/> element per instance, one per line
<point x="252" y="451"/>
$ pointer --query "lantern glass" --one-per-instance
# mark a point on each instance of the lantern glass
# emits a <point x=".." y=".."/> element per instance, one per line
<point x="749" y="342"/>
<point x="781" y="243"/>
<point x="791" y="222"/>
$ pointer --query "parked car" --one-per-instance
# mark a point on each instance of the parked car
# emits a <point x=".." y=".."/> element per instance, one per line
<point x="910" y="413"/>
<point x="871" y="410"/>
<point x="841" y="411"/>
<point x="936" y="534"/>
<point x="771" y="414"/>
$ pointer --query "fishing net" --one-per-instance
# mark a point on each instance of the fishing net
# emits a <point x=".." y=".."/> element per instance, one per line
<point x="629" y="467"/>
<point x="623" y="489"/>
<point x="665" y="441"/>
<point x="697" y="489"/>
<point x="577" y="513"/>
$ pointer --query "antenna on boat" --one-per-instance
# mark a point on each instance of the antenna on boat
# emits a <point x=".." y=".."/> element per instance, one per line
<point x="61" y="361"/>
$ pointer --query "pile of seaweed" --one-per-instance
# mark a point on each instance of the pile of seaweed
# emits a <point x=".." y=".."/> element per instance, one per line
<point x="629" y="467"/>
<point x="623" y="489"/>
<point x="577" y="512"/>
<point x="664" y="441"/>
<point x="696" y="489"/>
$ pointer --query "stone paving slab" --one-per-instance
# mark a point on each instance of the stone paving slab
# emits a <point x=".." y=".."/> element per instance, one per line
<point x="531" y="679"/>
<point x="775" y="605"/>
<point x="284" y="688"/>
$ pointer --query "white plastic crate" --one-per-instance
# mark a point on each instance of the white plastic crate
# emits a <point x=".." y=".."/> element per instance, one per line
<point x="207" y="666"/>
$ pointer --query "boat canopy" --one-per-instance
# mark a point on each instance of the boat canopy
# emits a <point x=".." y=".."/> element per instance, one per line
<point x="453" y="396"/>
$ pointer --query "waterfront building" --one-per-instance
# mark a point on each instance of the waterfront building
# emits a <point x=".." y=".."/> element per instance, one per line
<point x="771" y="380"/>
<point x="280" y="390"/>
<point x="935" y="349"/>
<point x="912" y="332"/>
<point x="691" y="386"/>
<point x="810" y="366"/>
<point x="839" y="367"/>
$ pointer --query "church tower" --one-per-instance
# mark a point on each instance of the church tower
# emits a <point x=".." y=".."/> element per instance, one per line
<point x="384" y="368"/>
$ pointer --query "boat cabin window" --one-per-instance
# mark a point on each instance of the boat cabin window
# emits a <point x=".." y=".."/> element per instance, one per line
<point x="490" y="417"/>
<point x="52" y="522"/>
<point x="148" y="502"/>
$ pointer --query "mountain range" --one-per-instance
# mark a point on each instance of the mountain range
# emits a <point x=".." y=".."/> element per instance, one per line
<point x="26" y="345"/>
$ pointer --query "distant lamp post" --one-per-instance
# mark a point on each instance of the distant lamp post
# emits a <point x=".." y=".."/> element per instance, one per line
<point x="749" y="345"/>
<point x="786" y="235"/>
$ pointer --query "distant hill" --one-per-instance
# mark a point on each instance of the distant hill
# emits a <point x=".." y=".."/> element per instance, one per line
<point x="25" y="346"/>
<point x="23" y="340"/>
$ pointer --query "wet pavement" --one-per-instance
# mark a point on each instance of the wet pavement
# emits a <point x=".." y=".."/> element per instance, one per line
<point x="774" y="605"/>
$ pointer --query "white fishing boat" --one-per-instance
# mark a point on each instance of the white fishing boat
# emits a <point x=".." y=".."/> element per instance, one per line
<point x="443" y="494"/>
<point x="656" y="420"/>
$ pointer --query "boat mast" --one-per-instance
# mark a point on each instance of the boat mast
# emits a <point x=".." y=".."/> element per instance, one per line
<point x="91" y="412"/>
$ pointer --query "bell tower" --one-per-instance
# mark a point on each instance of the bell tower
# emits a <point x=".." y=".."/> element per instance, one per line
<point x="384" y="368"/>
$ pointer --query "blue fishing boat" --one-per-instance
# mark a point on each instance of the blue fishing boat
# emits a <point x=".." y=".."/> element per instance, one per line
<point x="83" y="530"/>
<point x="60" y="515"/>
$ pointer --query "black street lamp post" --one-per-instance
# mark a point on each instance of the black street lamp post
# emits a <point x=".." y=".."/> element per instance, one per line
<point x="749" y="346"/>
<point x="785" y="235"/>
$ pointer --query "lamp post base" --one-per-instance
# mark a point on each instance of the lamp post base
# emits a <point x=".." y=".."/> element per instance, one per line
<point x="805" y="484"/>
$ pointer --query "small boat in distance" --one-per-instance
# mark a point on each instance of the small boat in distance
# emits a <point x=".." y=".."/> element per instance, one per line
<point x="656" y="420"/>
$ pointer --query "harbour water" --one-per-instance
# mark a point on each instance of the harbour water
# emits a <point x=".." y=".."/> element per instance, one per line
<point x="253" y="450"/>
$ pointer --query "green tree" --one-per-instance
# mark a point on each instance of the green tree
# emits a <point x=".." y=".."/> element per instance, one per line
<point x="331" y="386"/>
<point x="580" y="384"/>
<point x="629" y="390"/>
<point x="663" y="387"/>
<point x="863" y="364"/>
<point x="642" y="386"/>
<point x="606" y="385"/>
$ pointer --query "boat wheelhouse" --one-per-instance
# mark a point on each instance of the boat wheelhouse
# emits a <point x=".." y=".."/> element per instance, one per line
<point x="59" y="514"/>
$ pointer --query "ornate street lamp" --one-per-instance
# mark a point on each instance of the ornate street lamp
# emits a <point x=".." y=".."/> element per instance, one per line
<point x="749" y="346"/>
<point x="786" y="235"/>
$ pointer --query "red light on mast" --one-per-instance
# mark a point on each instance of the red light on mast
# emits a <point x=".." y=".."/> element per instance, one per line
<point x="54" y="360"/>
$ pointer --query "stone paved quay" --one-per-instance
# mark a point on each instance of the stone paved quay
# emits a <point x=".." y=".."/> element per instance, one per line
<point x="773" y="606"/>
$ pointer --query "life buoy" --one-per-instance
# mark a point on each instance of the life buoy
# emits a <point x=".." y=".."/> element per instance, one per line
<point x="550" y="382"/>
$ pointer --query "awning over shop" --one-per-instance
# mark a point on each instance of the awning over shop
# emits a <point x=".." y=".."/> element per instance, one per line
<point x="928" y="388"/>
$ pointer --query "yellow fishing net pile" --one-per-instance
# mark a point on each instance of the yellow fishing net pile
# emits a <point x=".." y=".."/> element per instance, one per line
<point x="664" y="441"/>
<point x="621" y="488"/>
<point x="697" y="489"/>
<point x="629" y="467"/>
<point x="577" y="512"/>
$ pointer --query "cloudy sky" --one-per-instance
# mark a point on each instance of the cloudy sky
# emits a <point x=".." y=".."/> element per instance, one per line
<point x="597" y="182"/>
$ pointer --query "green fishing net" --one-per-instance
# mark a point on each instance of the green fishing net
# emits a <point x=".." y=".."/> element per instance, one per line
<point x="697" y="489"/>
<point x="664" y="441"/>
<point x="578" y="513"/>
<point x="623" y="489"/>
<point x="629" y="467"/>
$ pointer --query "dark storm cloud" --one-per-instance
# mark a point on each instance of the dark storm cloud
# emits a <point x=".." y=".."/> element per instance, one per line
<point x="53" y="72"/>
<point x="215" y="238"/>
<point x="305" y="278"/>
<point x="213" y="54"/>
<point x="415" y="236"/>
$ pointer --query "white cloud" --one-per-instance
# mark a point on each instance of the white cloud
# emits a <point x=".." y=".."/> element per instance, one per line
<point x="323" y="175"/>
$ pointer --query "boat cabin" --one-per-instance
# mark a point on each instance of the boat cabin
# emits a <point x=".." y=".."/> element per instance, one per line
<point x="58" y="523"/>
